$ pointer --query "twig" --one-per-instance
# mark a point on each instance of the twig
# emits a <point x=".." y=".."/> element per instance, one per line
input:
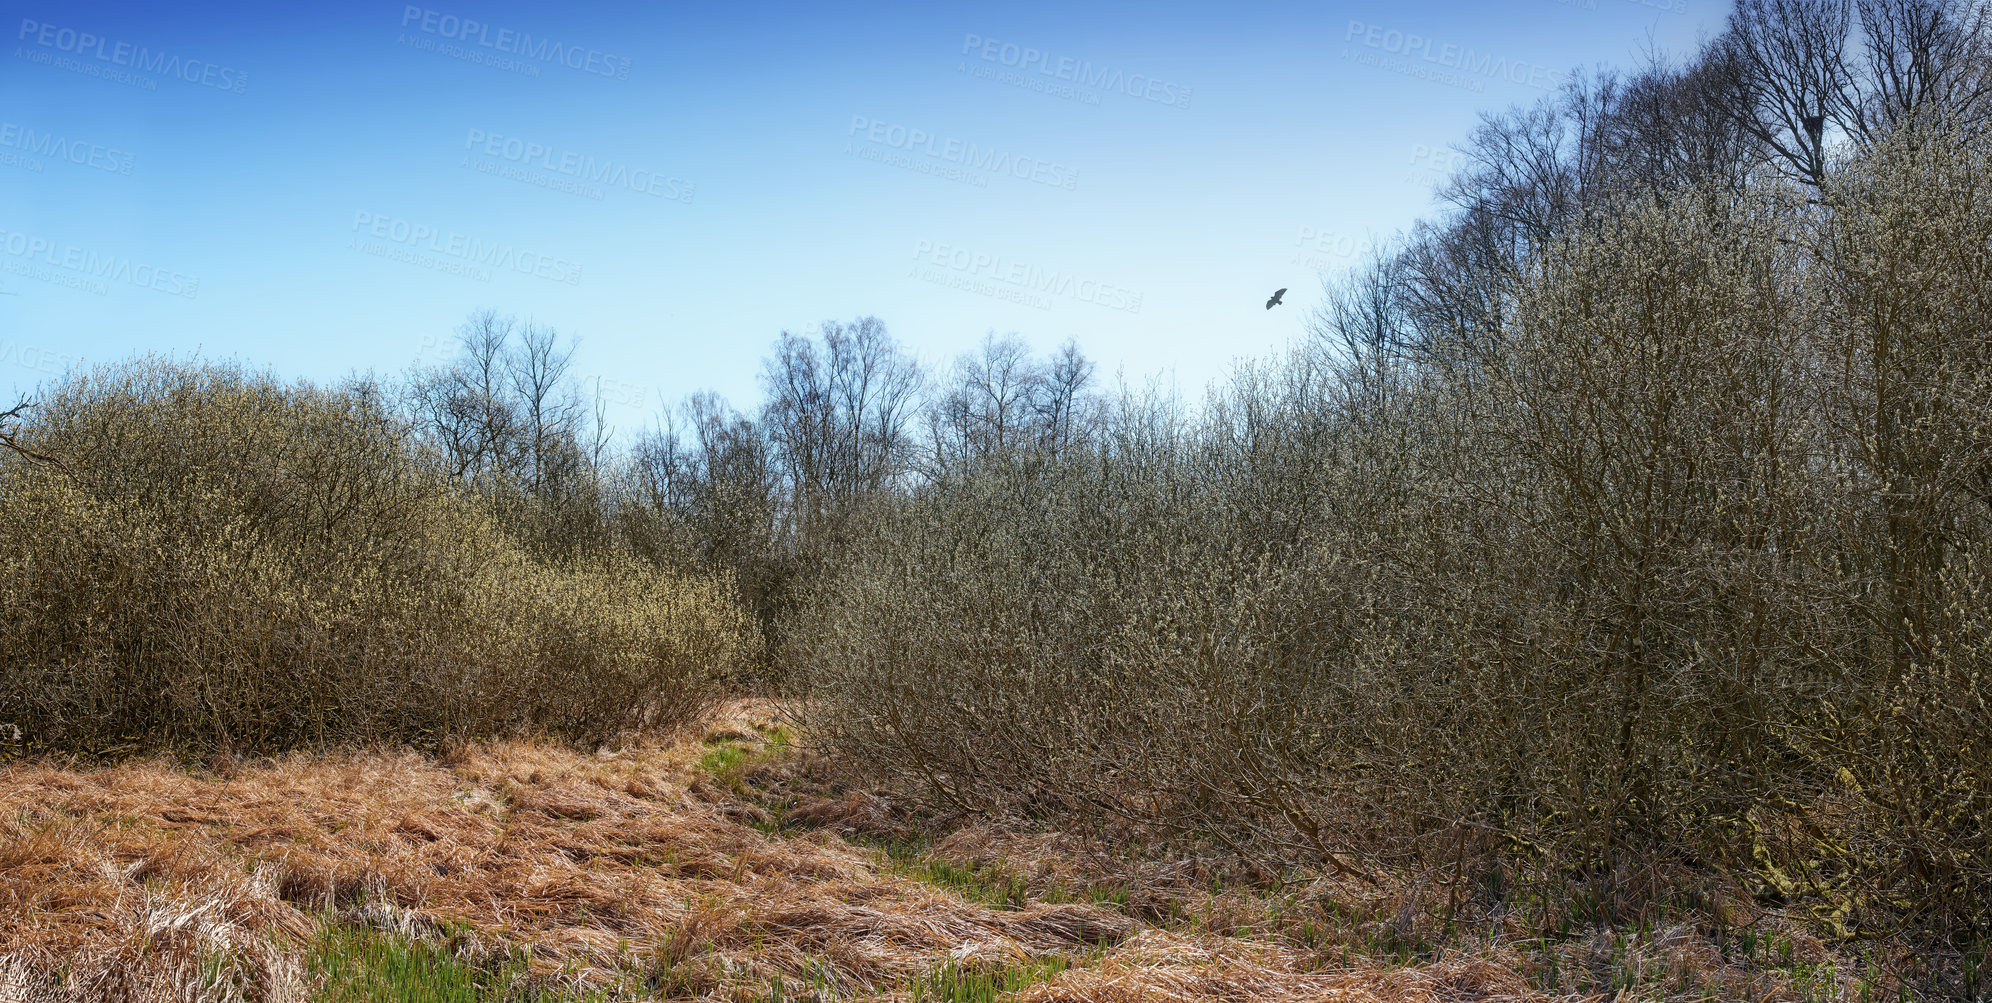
<point x="8" y="440"/>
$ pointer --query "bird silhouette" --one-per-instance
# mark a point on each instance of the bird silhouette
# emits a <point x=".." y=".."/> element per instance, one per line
<point x="1275" y="301"/>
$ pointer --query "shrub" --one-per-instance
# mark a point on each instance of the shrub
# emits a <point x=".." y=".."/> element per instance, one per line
<point x="225" y="559"/>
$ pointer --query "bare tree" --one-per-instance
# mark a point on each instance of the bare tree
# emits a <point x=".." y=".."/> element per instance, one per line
<point x="1000" y="402"/>
<point x="1790" y="57"/>
<point x="552" y="414"/>
<point x="1813" y="69"/>
<point x="1064" y="405"/>
<point x="837" y="413"/>
<point x="1362" y="324"/>
<point x="1522" y="167"/>
<point x="1923" y="59"/>
<point x="985" y="408"/>
<point x="708" y="471"/>
<point x="463" y="409"/>
<point x="1674" y="128"/>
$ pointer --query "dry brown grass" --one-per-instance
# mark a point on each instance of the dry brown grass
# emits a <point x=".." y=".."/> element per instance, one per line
<point x="625" y="872"/>
<point x="603" y="865"/>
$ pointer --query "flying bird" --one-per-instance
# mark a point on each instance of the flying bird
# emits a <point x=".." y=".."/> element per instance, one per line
<point x="1275" y="301"/>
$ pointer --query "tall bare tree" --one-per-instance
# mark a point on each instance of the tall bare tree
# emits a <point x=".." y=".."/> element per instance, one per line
<point x="552" y="415"/>
<point x="837" y="412"/>
<point x="1813" y="70"/>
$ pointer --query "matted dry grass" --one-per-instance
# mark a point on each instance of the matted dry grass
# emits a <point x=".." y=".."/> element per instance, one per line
<point x="625" y="872"/>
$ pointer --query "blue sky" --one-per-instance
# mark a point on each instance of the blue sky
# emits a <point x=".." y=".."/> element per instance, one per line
<point x="330" y="189"/>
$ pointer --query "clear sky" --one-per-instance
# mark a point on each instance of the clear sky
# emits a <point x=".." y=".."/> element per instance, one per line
<point x="329" y="187"/>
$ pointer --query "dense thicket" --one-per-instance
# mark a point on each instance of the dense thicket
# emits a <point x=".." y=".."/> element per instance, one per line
<point x="1637" y="509"/>
<point x="208" y="557"/>
<point x="1693" y="554"/>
